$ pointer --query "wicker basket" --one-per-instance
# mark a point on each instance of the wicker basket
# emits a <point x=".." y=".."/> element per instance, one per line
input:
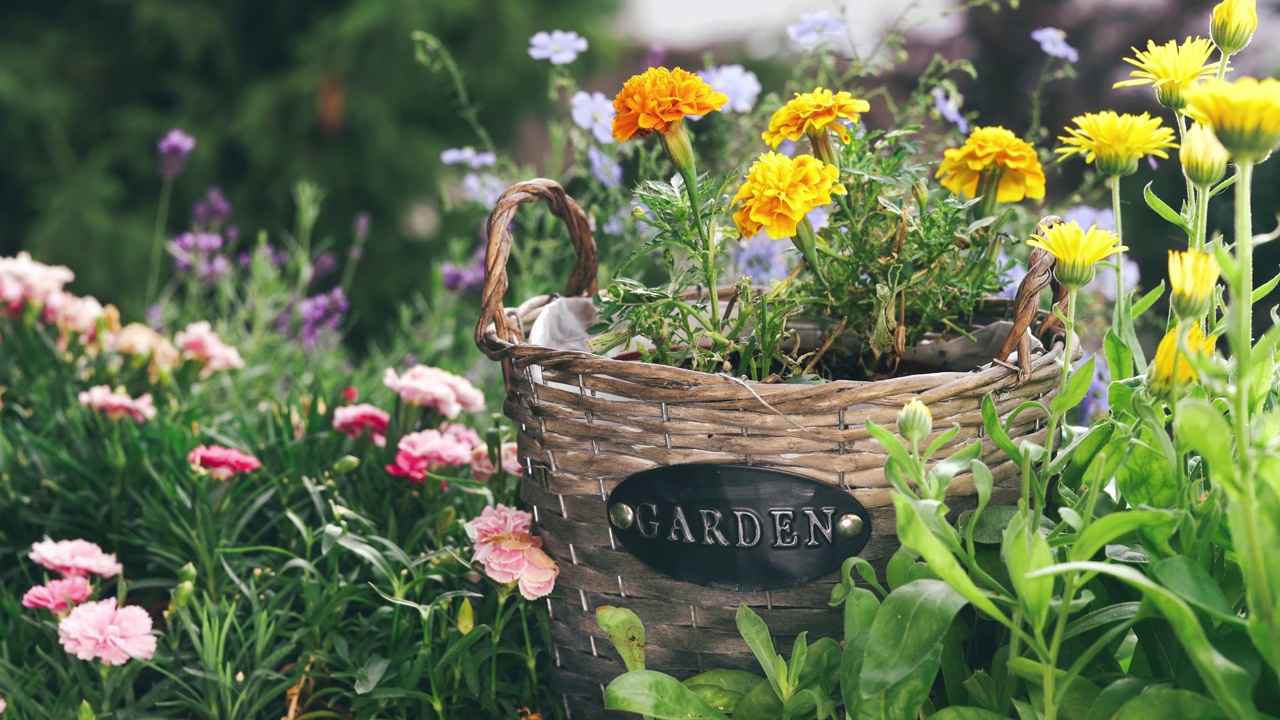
<point x="587" y="422"/>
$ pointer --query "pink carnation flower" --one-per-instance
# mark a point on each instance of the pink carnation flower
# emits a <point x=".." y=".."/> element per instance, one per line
<point x="199" y="342"/>
<point x="118" y="405"/>
<point x="497" y="520"/>
<point x="23" y="279"/>
<point x="101" y="631"/>
<point x="462" y="434"/>
<point x="482" y="467"/>
<point x="353" y="419"/>
<point x="58" y="595"/>
<point x="435" y="388"/>
<point x="419" y="452"/>
<point x="75" y="557"/>
<point x="221" y="462"/>
<point x="73" y="314"/>
<point x="520" y="559"/>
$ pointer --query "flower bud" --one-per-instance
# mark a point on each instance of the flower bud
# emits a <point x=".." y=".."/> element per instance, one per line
<point x="187" y="573"/>
<point x="1173" y="368"/>
<point x="1233" y="24"/>
<point x="1204" y="159"/>
<point x="676" y="142"/>
<point x="1192" y="275"/>
<point x="346" y="464"/>
<point x="466" y="617"/>
<point x="182" y="594"/>
<point x="915" y="422"/>
<point x="85" y="712"/>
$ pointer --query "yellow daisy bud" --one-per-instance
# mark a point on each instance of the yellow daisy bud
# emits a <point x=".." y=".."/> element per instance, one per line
<point x="915" y="422"/>
<point x="1173" y="369"/>
<point x="1193" y="276"/>
<point x="1204" y="159"/>
<point x="1077" y="251"/>
<point x="1233" y="24"/>
<point x="1244" y="115"/>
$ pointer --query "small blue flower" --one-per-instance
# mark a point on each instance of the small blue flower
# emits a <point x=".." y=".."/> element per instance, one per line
<point x="1011" y="278"/>
<point x="559" y="47"/>
<point x="739" y="84"/>
<point x="1096" y="401"/>
<point x="483" y="188"/>
<point x="814" y="28"/>
<point x="604" y="168"/>
<point x="617" y="223"/>
<point x="594" y="112"/>
<point x="1054" y="43"/>
<point x="1104" y="218"/>
<point x="819" y="218"/>
<point x="762" y="259"/>
<point x="948" y="106"/>
<point x="468" y="156"/>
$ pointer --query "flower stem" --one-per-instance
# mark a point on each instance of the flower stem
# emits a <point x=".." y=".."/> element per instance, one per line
<point x="157" y="238"/>
<point x="496" y="636"/>
<point x="1052" y="425"/>
<point x="1119" y="258"/>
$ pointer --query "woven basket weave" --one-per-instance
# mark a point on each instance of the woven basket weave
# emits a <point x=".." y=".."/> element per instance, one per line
<point x="587" y="422"/>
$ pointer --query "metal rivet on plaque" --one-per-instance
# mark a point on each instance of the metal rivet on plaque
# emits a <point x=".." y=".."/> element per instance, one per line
<point x="849" y="525"/>
<point x="622" y="516"/>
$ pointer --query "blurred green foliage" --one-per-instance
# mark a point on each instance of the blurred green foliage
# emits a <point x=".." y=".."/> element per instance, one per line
<point x="325" y="90"/>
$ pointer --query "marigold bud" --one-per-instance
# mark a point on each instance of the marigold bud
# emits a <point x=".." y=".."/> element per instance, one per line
<point x="915" y="422"/>
<point x="676" y="142"/>
<point x="1233" y="24"/>
<point x="1204" y="159"/>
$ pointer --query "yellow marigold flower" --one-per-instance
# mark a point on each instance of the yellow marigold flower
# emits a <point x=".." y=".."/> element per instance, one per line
<point x="1204" y="159"/>
<point x="1077" y="250"/>
<point x="1173" y="367"/>
<point x="1171" y="68"/>
<point x="1233" y="24"/>
<point x="915" y="422"/>
<point x="779" y="191"/>
<point x="657" y="98"/>
<point x="1192" y="275"/>
<point x="1116" y="142"/>
<point x="1244" y="115"/>
<point x="813" y="113"/>
<point x="994" y="157"/>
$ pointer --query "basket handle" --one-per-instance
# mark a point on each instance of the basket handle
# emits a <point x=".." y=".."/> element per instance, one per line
<point x="581" y="282"/>
<point x="1026" y="303"/>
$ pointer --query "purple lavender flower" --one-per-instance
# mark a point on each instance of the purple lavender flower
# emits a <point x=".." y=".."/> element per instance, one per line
<point x="1054" y="44"/>
<point x="360" y="227"/>
<point x="616" y="224"/>
<point x="594" y="112"/>
<point x="739" y="84"/>
<point x="174" y="148"/>
<point x="814" y="28"/>
<point x="232" y="233"/>
<point x="483" y="188"/>
<point x="654" y="57"/>
<point x="324" y="264"/>
<point x="155" y="316"/>
<point x="1096" y="401"/>
<point x="1085" y="216"/>
<point x="762" y="259"/>
<point x="948" y="106"/>
<point x="1103" y="283"/>
<point x="604" y="168"/>
<point x="466" y="279"/>
<point x="212" y="211"/>
<point x="322" y="313"/>
<point x="216" y="267"/>
<point x="558" y="46"/>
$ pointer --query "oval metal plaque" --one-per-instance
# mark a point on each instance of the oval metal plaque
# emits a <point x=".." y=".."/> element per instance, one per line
<point x="734" y="527"/>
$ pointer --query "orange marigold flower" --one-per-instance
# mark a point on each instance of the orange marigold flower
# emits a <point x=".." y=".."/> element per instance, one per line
<point x="814" y="112"/>
<point x="779" y="191"/>
<point x="993" y="150"/>
<point x="659" y="97"/>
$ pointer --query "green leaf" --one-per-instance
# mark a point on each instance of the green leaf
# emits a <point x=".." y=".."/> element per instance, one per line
<point x="1024" y="551"/>
<point x="1147" y="479"/>
<point x="914" y="533"/>
<point x="1115" y="695"/>
<point x="907" y="630"/>
<point x="902" y="700"/>
<point x="799" y="651"/>
<point x="756" y="634"/>
<point x="658" y="696"/>
<point x="1083" y="453"/>
<point x="627" y="633"/>
<point x="1184" y="578"/>
<point x="1077" y="387"/>
<point x="1167" y="703"/>
<point x="1230" y="684"/>
<point x="1163" y="210"/>
<point x="1109" y="528"/>
<point x="762" y="703"/>
<point x="996" y="431"/>
<point x="1074" y="695"/>
<point x="723" y="689"/>
<point x="1121" y="612"/>
<point x="860" y="609"/>
<point x="1261" y="292"/>
<point x="965" y="713"/>
<point x="944" y="471"/>
<point x="1149" y="299"/>
<point x="368" y="677"/>
<point x="1119" y="357"/>
<point x="891" y="445"/>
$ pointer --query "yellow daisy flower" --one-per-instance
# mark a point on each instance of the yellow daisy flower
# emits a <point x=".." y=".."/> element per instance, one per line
<point x="812" y="113"/>
<point x="1171" y="68"/>
<point x="1115" y="142"/>
<point x="779" y="191"/>
<point x="1204" y="159"/>
<point x="1192" y="275"/>
<point x="993" y="157"/>
<point x="1173" y="367"/>
<point x="1076" y="251"/>
<point x="1233" y="24"/>
<point x="1244" y="115"/>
